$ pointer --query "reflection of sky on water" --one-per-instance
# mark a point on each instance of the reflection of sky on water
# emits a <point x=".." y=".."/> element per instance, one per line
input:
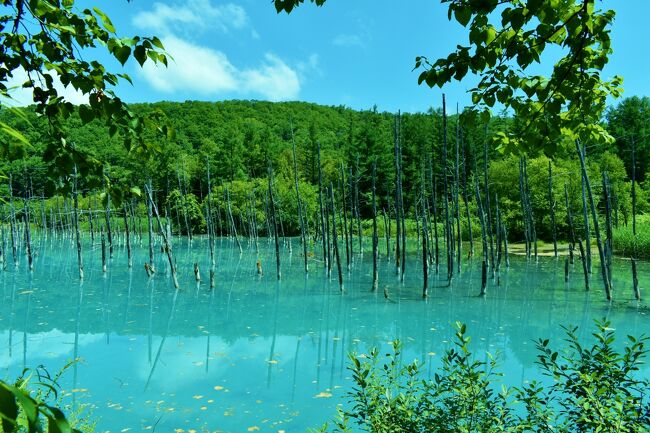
<point x="257" y="353"/>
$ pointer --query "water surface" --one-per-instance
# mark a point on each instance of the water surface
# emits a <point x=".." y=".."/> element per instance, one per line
<point x="256" y="353"/>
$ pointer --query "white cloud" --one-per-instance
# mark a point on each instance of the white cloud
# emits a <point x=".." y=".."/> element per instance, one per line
<point x="361" y="37"/>
<point x="311" y="65"/>
<point x="348" y="40"/>
<point x="206" y="71"/>
<point x="21" y="96"/>
<point x="50" y="345"/>
<point x="274" y="80"/>
<point x="194" y="68"/>
<point x="193" y="15"/>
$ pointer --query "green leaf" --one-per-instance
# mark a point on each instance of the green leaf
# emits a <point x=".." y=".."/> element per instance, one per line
<point x="122" y="53"/>
<point x="490" y="36"/>
<point x="8" y="408"/>
<point x="105" y="20"/>
<point x="86" y="113"/>
<point x="15" y="134"/>
<point x="56" y="422"/>
<point x="157" y="43"/>
<point x="463" y="14"/>
<point x="140" y="54"/>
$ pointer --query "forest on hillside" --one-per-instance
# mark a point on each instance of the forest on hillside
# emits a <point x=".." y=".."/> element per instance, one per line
<point x="238" y="141"/>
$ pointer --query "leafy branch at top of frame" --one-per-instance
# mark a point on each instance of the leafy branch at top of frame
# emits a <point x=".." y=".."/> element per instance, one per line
<point x="288" y="5"/>
<point x="45" y="42"/>
<point x="567" y="102"/>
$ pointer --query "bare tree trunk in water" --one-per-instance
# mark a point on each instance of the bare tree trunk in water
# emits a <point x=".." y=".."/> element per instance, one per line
<point x="274" y="223"/>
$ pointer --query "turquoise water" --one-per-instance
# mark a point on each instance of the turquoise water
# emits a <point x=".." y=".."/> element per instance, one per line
<point x="260" y="354"/>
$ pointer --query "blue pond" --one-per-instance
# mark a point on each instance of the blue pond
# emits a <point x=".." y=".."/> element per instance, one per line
<point x="255" y="354"/>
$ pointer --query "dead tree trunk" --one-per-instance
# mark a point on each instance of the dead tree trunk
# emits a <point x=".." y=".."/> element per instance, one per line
<point x="303" y="237"/>
<point x="232" y="221"/>
<point x="572" y="232"/>
<point x="166" y="241"/>
<point x="335" y="240"/>
<point x="345" y="216"/>
<point x="551" y="205"/>
<point x="470" y="233"/>
<point x="357" y="204"/>
<point x="456" y="192"/>
<point x="109" y="232"/>
<point x="594" y="215"/>
<point x="375" y="237"/>
<point x="398" y="235"/>
<point x="585" y="213"/>
<point x="210" y="225"/>
<point x="103" y="238"/>
<point x="274" y="223"/>
<point x="12" y="224"/>
<point x="128" y="236"/>
<point x="488" y="207"/>
<point x="150" y="229"/>
<point x="322" y="213"/>
<point x="75" y="196"/>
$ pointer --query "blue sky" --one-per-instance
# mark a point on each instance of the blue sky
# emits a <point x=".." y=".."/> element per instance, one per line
<point x="355" y="53"/>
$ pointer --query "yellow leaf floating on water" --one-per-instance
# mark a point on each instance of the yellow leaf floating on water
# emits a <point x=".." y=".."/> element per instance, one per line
<point x="218" y="388"/>
<point x="323" y="395"/>
<point x="272" y="361"/>
<point x="179" y="430"/>
<point x="197" y="397"/>
<point x="253" y="428"/>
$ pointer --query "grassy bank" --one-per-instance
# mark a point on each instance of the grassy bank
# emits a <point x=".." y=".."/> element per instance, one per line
<point x="626" y="244"/>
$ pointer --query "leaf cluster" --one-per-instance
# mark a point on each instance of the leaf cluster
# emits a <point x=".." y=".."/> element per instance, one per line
<point x="593" y="389"/>
<point x="506" y="38"/>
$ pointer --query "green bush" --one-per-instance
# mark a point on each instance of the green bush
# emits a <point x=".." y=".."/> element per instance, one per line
<point x="593" y="389"/>
<point x="32" y="405"/>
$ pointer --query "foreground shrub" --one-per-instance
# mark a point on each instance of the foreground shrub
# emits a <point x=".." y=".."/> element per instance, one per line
<point x="590" y="389"/>
<point x="32" y="405"/>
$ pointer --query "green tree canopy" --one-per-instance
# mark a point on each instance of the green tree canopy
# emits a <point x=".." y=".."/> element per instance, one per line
<point x="44" y="47"/>
<point x="629" y="123"/>
<point x="506" y="38"/>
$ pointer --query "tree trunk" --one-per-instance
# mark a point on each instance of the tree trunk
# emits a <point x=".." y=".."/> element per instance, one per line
<point x="322" y="214"/>
<point x="303" y="237"/>
<point x="150" y="229"/>
<point x="128" y="236"/>
<point x="594" y="215"/>
<point x="75" y="195"/>
<point x="165" y="236"/>
<point x="335" y="240"/>
<point x="274" y="224"/>
<point x="551" y="205"/>
<point x="375" y="237"/>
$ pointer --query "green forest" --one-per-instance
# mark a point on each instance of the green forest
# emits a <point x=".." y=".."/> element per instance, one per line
<point x="238" y="140"/>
